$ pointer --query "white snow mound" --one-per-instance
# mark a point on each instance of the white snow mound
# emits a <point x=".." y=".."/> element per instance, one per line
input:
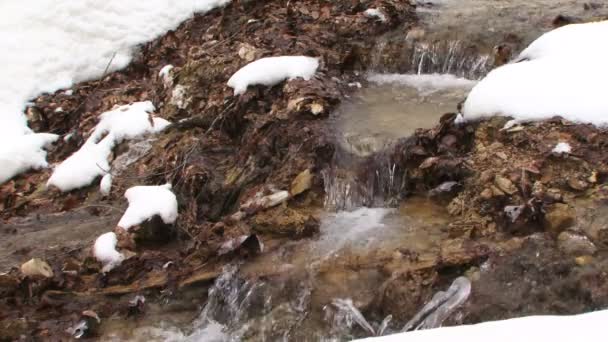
<point x="552" y="81"/>
<point x="91" y="160"/>
<point x="147" y="201"/>
<point x="585" y="327"/>
<point x="56" y="43"/>
<point x="105" y="251"/>
<point x="270" y="71"/>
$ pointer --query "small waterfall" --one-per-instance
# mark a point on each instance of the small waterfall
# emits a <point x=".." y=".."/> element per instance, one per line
<point x="438" y="57"/>
<point x="362" y="182"/>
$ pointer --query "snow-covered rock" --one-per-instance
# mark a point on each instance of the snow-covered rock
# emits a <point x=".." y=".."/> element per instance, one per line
<point x="562" y="148"/>
<point x="375" y="13"/>
<point x="57" y="43"/>
<point x="105" y="251"/>
<point x="165" y="75"/>
<point x="584" y="327"/>
<point x="561" y="73"/>
<point x="146" y="202"/>
<point x="273" y="70"/>
<point x="91" y="160"/>
<point x="84" y="166"/>
<point x="106" y="184"/>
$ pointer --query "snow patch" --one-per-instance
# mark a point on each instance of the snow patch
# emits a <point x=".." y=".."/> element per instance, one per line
<point x="584" y="327"/>
<point x="105" y="251"/>
<point x="375" y="13"/>
<point x="165" y="75"/>
<point x="561" y="73"/>
<point x="106" y="184"/>
<point x="57" y="43"/>
<point x="270" y="71"/>
<point x="562" y="148"/>
<point x="147" y="201"/>
<point x="91" y="160"/>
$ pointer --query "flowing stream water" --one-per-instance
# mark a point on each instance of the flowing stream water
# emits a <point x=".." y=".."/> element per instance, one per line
<point x="316" y="289"/>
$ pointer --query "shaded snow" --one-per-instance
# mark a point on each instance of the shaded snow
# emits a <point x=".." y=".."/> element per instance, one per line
<point x="585" y="327"/>
<point x="55" y="43"/>
<point x="561" y="73"/>
<point x="147" y="201"/>
<point x="91" y="160"/>
<point x="273" y="70"/>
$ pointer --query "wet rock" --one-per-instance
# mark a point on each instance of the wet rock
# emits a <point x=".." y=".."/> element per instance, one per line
<point x="37" y="268"/>
<point x="285" y="222"/>
<point x="577" y="184"/>
<point x="505" y="185"/>
<point x="301" y="183"/>
<point x="575" y="243"/>
<point x="404" y="294"/>
<point x="558" y="217"/>
<point x="153" y="230"/>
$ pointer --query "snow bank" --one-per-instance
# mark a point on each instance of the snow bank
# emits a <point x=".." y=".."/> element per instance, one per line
<point x="91" y="160"/>
<point x="561" y="73"/>
<point x="55" y="43"/>
<point x="585" y="327"/>
<point x="147" y="201"/>
<point x="424" y="82"/>
<point x="105" y="251"/>
<point x="273" y="70"/>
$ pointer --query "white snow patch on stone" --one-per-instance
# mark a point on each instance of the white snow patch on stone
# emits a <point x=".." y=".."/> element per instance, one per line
<point x="270" y="71"/>
<point x="165" y="75"/>
<point x="106" y="184"/>
<point x="562" y="148"/>
<point x="147" y="201"/>
<point x="105" y="251"/>
<point x="375" y="13"/>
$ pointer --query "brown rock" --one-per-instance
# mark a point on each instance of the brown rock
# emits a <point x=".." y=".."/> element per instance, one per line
<point x="37" y="268"/>
<point x="505" y="185"/>
<point x="486" y="194"/>
<point x="577" y="184"/>
<point x="285" y="221"/>
<point x="301" y="183"/>
<point x="576" y="244"/>
<point x="558" y="217"/>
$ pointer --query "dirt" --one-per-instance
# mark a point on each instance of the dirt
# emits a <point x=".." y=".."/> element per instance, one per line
<point x="223" y="151"/>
